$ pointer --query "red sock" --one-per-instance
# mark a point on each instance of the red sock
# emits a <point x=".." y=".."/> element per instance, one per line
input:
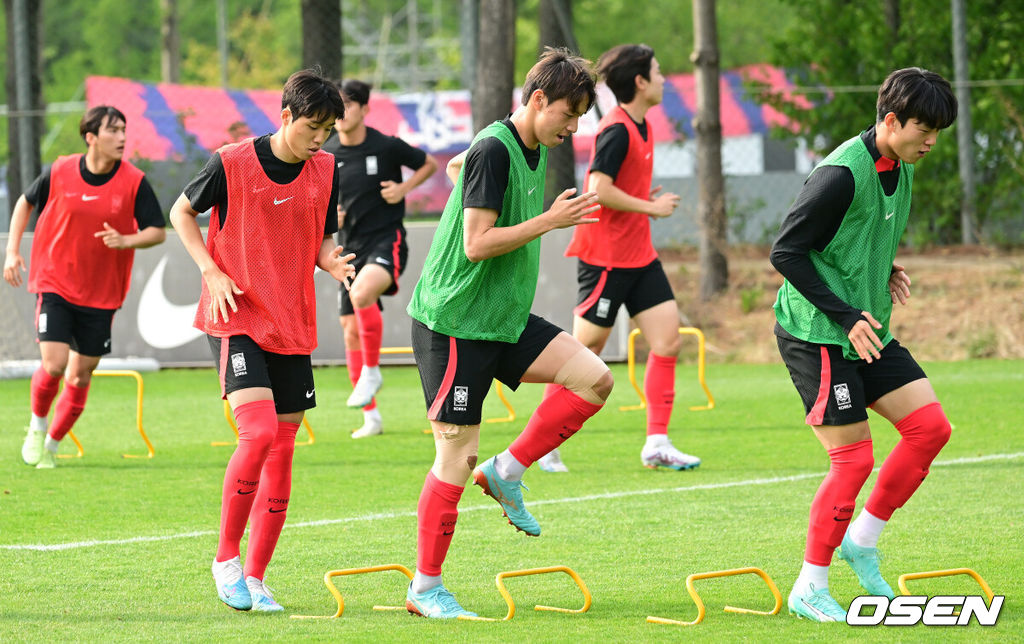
<point x="271" y="504"/>
<point x="660" y="391"/>
<point x="371" y="330"/>
<point x="354" y="362"/>
<point x="257" y="427"/>
<point x="924" y="432"/>
<point x="44" y="390"/>
<point x="556" y="419"/>
<point x="833" y="505"/>
<point x="69" y="408"/>
<point x="436" y="515"/>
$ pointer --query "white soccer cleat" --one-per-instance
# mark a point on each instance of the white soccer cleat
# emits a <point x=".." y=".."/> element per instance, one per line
<point x="552" y="462"/>
<point x="372" y="425"/>
<point x="32" y="449"/>
<point x="667" y="456"/>
<point x="369" y="384"/>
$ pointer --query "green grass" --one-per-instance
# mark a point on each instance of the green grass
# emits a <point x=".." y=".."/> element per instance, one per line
<point x="353" y="504"/>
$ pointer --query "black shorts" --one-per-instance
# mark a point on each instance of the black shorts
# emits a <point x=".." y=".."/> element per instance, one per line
<point x="603" y="290"/>
<point x="84" y="328"/>
<point x="242" y="364"/>
<point x="390" y="252"/>
<point x="837" y="391"/>
<point x="456" y="374"/>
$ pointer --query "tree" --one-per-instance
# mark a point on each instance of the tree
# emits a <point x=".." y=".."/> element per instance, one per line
<point x="495" y="62"/>
<point x="170" y="42"/>
<point x="321" y="36"/>
<point x="714" y="267"/>
<point x="23" y="88"/>
<point x="555" y="22"/>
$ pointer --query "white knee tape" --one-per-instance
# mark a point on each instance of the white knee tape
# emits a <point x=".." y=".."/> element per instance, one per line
<point x="580" y="373"/>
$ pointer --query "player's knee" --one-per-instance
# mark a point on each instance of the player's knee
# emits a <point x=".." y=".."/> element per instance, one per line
<point x="604" y="384"/>
<point x="668" y="347"/>
<point x="928" y="429"/>
<point x="587" y="376"/>
<point x="362" y="296"/>
<point x="456" y="451"/>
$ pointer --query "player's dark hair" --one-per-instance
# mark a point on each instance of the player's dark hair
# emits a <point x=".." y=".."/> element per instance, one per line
<point x="355" y="90"/>
<point x="307" y="93"/>
<point x="619" y="67"/>
<point x="917" y="93"/>
<point x="93" y="119"/>
<point x="561" y="74"/>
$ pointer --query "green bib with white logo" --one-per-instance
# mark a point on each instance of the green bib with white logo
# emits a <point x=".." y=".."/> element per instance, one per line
<point x="489" y="299"/>
<point x="857" y="263"/>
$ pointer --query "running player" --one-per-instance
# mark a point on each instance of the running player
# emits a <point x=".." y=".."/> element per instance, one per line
<point x="370" y="217"/>
<point x="837" y="250"/>
<point x="617" y="261"/>
<point x="273" y="221"/>
<point x="472" y="321"/>
<point x="94" y="211"/>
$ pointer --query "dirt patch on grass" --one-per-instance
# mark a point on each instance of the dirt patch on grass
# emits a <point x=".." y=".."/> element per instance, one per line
<point x="966" y="302"/>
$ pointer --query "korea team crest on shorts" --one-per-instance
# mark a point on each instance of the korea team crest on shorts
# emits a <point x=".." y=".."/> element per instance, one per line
<point x="603" y="305"/>
<point x="42" y="323"/>
<point x="238" y="364"/>
<point x="461" y="398"/>
<point x="842" y="393"/>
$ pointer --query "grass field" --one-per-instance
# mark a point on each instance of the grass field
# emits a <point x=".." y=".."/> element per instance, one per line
<point x="126" y="544"/>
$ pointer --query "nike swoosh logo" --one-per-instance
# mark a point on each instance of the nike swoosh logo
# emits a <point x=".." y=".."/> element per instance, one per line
<point x="443" y="533"/>
<point x="90" y="197"/>
<point x="889" y="216"/>
<point x="309" y="394"/>
<point x="647" y="156"/>
<point x="273" y="511"/>
<point x="161" y="324"/>
<point x="244" y="493"/>
<point x="381" y="260"/>
<point x="530" y="192"/>
<point x="279" y="202"/>
<point x="341" y="163"/>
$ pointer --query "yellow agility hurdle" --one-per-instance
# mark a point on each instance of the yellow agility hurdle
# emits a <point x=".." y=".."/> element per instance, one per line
<point x="902" y="581"/>
<point x="228" y="416"/>
<point x="328" y="581"/>
<point x="499" y="581"/>
<point x="729" y="609"/>
<point x="631" y="359"/>
<point x="138" y="415"/>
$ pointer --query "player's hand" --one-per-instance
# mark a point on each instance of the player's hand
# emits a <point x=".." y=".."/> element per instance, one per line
<point x="14" y="266"/>
<point x="341" y="217"/>
<point x="392" y="192"/>
<point x="340" y="268"/>
<point x="663" y="205"/>
<point x="899" y="284"/>
<point x="222" y="294"/>
<point x="111" y="238"/>
<point x="864" y="339"/>
<point x="569" y="211"/>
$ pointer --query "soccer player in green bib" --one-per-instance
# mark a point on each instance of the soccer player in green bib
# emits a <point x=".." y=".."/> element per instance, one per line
<point x="837" y="251"/>
<point x="472" y="321"/>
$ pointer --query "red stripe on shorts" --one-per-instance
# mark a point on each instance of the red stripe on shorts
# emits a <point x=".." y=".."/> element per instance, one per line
<point x="592" y="299"/>
<point x="39" y="307"/>
<point x="223" y="365"/>
<point x="818" y="411"/>
<point x="395" y="261"/>
<point x="446" y="382"/>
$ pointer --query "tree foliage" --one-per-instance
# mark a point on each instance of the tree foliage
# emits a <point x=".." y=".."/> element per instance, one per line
<point x="849" y="47"/>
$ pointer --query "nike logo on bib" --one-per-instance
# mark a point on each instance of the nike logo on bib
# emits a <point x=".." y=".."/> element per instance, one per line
<point x="278" y="202"/>
<point x="90" y="197"/>
<point x="889" y="216"/>
<point x="530" y="192"/>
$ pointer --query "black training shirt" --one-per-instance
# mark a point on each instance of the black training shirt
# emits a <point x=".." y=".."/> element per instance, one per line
<point x="485" y="171"/>
<point x="209" y="188"/>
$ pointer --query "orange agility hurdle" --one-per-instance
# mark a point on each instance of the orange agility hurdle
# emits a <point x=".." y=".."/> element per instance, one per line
<point x="902" y="581"/>
<point x="138" y="415"/>
<point x="499" y="581"/>
<point x="729" y="609"/>
<point x="328" y="581"/>
<point x="631" y="360"/>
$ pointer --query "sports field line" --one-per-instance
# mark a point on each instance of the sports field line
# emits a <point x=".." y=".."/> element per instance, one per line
<point x="489" y="506"/>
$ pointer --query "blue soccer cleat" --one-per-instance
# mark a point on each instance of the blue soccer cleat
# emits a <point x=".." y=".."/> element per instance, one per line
<point x="864" y="562"/>
<point x="508" y="495"/>
<point x="815" y="605"/>
<point x="231" y="588"/>
<point x="262" y="598"/>
<point x="437" y="602"/>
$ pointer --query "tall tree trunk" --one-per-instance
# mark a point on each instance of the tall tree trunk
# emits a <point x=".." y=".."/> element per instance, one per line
<point x="555" y="19"/>
<point x="714" y="267"/>
<point x="24" y="88"/>
<point x="891" y="9"/>
<point x="321" y="36"/>
<point x="469" y="26"/>
<point x="170" y="42"/>
<point x="495" y="62"/>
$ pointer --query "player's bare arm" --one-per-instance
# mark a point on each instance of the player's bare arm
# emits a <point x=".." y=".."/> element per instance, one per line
<point x="454" y="166"/>
<point x="145" y="238"/>
<point x="221" y="287"/>
<point x="899" y="284"/>
<point x="331" y="260"/>
<point x="394" y="192"/>
<point x="611" y="196"/>
<point x="481" y="239"/>
<point x="14" y="263"/>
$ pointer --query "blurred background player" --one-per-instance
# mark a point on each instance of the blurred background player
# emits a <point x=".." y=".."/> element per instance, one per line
<point x="618" y="264"/>
<point x="837" y="250"/>
<point x="273" y="223"/>
<point x="94" y="211"/>
<point x="472" y="321"/>
<point x="370" y="214"/>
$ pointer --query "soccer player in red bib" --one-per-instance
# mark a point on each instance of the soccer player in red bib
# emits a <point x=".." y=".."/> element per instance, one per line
<point x="472" y="321"/>
<point x="370" y="216"/>
<point x="272" y="225"/>
<point x="837" y="251"/>
<point x="94" y="211"/>
<point x="617" y="261"/>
